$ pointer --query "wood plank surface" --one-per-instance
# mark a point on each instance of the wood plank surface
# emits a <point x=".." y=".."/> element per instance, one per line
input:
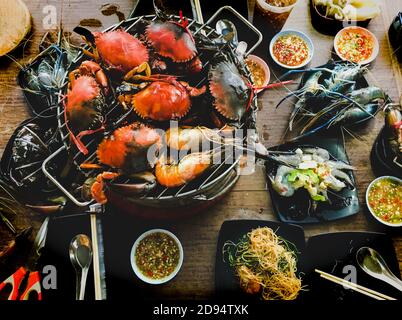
<point x="249" y="199"/>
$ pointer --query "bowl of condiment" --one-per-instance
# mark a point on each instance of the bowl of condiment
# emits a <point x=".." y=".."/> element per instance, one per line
<point x="156" y="256"/>
<point x="291" y="49"/>
<point x="356" y="44"/>
<point x="259" y="70"/>
<point x="384" y="200"/>
<point x="329" y="17"/>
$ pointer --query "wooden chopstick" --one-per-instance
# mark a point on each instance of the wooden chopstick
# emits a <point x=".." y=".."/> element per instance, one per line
<point x="95" y="249"/>
<point x="356" y="287"/>
<point x="353" y="288"/>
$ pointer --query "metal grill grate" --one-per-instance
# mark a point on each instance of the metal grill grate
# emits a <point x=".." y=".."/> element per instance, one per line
<point x="187" y="190"/>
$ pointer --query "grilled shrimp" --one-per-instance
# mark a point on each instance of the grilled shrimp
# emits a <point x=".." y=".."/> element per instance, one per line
<point x="175" y="174"/>
<point x="191" y="138"/>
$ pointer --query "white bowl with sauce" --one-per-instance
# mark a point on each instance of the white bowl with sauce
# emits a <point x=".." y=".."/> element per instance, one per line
<point x="367" y="33"/>
<point x="389" y="224"/>
<point x="300" y="35"/>
<point x="264" y="66"/>
<point x="133" y="258"/>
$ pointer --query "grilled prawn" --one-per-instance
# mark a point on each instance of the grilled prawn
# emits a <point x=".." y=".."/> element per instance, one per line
<point x="173" y="174"/>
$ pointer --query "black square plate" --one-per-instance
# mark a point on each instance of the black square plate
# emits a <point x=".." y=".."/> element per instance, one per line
<point x="226" y="283"/>
<point x="296" y="209"/>
<point x="335" y="253"/>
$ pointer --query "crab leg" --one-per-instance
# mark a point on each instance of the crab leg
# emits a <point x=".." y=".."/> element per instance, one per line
<point x="143" y="67"/>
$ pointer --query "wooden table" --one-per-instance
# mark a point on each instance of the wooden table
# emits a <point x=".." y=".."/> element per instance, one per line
<point x="249" y="199"/>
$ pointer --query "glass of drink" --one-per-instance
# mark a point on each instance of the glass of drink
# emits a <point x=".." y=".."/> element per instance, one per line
<point x="274" y="12"/>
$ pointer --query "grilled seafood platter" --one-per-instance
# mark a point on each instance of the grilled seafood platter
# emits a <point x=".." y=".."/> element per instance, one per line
<point x="146" y="108"/>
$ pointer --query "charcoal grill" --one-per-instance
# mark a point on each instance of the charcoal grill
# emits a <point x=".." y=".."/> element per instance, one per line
<point x="197" y="194"/>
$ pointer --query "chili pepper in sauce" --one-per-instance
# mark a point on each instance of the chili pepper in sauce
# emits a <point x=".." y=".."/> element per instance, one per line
<point x="385" y="200"/>
<point x="291" y="50"/>
<point x="157" y="255"/>
<point x="355" y="46"/>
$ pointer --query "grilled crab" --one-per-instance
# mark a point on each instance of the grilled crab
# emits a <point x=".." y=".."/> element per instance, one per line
<point x="174" y="41"/>
<point x="230" y="91"/>
<point x="85" y="105"/>
<point x="159" y="97"/>
<point x="128" y="151"/>
<point x="117" y="49"/>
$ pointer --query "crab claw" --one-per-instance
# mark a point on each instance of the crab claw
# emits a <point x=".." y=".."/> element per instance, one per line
<point x="193" y="92"/>
<point x="94" y="69"/>
<point x="97" y="189"/>
<point x="195" y="65"/>
<point x="139" y="184"/>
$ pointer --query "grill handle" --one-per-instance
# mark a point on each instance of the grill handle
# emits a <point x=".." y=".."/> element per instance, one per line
<point x="57" y="183"/>
<point x="241" y="18"/>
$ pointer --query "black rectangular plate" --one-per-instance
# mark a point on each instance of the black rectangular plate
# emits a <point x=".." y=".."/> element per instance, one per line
<point x="226" y="284"/>
<point x="331" y="252"/>
<point x="287" y="208"/>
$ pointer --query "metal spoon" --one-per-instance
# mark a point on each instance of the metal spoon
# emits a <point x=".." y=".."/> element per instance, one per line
<point x="81" y="257"/>
<point x="228" y="30"/>
<point x="373" y="264"/>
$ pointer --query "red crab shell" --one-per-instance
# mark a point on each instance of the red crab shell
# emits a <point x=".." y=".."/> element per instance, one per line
<point x="82" y="108"/>
<point x="171" y="40"/>
<point x="162" y="101"/>
<point x="127" y="149"/>
<point x="120" y="50"/>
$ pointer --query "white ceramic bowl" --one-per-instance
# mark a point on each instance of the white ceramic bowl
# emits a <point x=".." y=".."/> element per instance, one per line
<point x="137" y="271"/>
<point x="299" y="34"/>
<point x="264" y="66"/>
<point x="368" y="206"/>
<point x="376" y="48"/>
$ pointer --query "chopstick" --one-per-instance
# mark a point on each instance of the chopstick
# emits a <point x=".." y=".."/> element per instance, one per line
<point x="356" y="287"/>
<point x="95" y="249"/>
<point x="197" y="12"/>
